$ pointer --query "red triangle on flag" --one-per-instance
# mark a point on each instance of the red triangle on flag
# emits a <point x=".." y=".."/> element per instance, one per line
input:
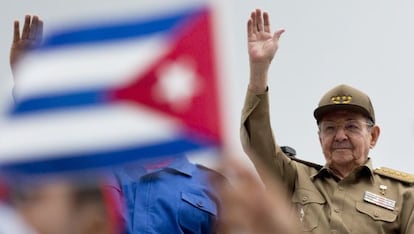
<point x="183" y="83"/>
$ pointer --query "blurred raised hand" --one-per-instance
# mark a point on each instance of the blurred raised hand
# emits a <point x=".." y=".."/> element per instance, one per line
<point x="29" y="38"/>
<point x="246" y="206"/>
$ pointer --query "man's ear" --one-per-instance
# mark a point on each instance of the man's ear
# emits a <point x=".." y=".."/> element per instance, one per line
<point x="375" y="133"/>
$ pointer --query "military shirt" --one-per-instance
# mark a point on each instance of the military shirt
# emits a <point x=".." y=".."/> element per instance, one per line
<point x="366" y="201"/>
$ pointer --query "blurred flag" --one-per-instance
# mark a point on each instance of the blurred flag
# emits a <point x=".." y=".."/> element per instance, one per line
<point x="109" y="92"/>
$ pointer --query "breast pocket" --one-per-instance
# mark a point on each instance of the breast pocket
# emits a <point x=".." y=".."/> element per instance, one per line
<point x="376" y="213"/>
<point x="310" y="208"/>
<point x="197" y="213"/>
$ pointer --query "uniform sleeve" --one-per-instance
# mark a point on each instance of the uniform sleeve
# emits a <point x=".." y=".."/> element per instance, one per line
<point x="408" y="213"/>
<point x="258" y="141"/>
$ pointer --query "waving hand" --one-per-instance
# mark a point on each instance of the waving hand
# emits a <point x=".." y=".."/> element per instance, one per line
<point x="262" y="46"/>
<point x="27" y="40"/>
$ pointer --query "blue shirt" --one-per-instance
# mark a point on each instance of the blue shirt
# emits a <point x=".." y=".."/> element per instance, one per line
<point x="176" y="198"/>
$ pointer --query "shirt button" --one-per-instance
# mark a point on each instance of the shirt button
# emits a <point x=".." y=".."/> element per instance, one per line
<point x="199" y="204"/>
<point x="305" y="198"/>
<point x="376" y="215"/>
<point x="336" y="210"/>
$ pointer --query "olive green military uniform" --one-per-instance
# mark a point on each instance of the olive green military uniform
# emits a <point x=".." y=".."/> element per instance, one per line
<point x="325" y="203"/>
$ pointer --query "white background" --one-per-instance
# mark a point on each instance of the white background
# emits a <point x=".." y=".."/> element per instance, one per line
<point x="367" y="44"/>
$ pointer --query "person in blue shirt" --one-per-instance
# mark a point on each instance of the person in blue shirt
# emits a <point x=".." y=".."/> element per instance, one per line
<point x="168" y="195"/>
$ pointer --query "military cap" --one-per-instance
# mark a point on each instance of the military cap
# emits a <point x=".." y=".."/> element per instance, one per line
<point x="344" y="97"/>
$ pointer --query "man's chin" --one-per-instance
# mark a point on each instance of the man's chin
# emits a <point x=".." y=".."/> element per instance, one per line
<point x="342" y="152"/>
<point x="342" y="156"/>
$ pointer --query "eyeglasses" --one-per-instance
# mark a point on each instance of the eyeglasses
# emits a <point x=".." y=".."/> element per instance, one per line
<point x="350" y="126"/>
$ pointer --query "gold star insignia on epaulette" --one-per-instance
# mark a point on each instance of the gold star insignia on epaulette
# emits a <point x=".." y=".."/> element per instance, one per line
<point x="397" y="175"/>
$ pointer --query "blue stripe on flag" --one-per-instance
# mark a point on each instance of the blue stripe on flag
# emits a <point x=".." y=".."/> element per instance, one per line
<point x="117" y="30"/>
<point x="105" y="159"/>
<point x="60" y="101"/>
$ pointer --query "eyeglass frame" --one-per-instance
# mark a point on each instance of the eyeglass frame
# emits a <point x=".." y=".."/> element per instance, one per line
<point x="343" y="125"/>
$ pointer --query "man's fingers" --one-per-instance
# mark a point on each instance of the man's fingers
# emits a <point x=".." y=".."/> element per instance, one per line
<point x="254" y="21"/>
<point x="266" y="22"/>
<point x="39" y="31"/>
<point x="26" y="28"/>
<point x="259" y="20"/>
<point x="16" y="34"/>
<point x="36" y="29"/>
<point x="33" y="28"/>
<point x="277" y="34"/>
<point x="249" y="28"/>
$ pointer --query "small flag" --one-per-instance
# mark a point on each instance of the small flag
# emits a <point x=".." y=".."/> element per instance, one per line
<point x="101" y="94"/>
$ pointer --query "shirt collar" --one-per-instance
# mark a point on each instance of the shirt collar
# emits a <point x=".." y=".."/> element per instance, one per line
<point x="181" y="164"/>
<point x="175" y="163"/>
<point x="365" y="169"/>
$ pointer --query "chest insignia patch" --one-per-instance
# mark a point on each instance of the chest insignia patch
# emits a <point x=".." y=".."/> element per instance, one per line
<point x="379" y="200"/>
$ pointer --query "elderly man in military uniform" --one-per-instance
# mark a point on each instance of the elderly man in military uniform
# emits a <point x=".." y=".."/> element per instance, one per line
<point x="346" y="195"/>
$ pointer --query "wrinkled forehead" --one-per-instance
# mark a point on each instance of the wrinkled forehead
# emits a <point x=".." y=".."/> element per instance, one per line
<point x="343" y="115"/>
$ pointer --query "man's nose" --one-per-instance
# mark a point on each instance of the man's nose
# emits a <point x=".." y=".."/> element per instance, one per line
<point x="340" y="134"/>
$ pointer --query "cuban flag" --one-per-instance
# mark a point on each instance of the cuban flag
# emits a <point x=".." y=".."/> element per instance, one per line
<point x="109" y="92"/>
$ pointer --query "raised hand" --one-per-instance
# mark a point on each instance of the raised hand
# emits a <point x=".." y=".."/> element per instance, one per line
<point x="27" y="40"/>
<point x="262" y="46"/>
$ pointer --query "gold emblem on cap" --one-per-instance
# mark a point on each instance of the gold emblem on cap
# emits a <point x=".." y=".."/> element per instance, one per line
<point x="341" y="99"/>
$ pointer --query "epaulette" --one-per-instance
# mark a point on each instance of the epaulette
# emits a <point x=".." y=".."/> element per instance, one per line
<point x="394" y="174"/>
<point x="311" y="164"/>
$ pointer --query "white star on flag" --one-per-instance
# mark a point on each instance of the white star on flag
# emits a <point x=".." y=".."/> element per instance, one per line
<point x="177" y="84"/>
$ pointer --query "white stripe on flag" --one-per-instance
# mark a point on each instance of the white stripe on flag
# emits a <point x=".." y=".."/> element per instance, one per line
<point x="84" y="130"/>
<point x="77" y="68"/>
